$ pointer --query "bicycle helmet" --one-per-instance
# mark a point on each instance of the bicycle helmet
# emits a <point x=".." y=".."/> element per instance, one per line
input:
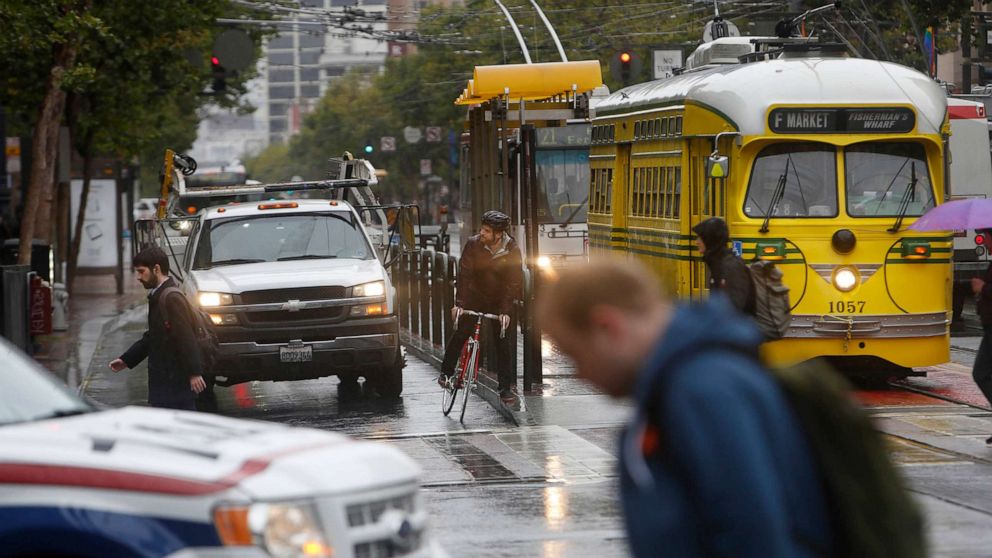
<point x="497" y="220"/>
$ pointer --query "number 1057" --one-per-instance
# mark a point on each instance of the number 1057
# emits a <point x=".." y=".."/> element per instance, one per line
<point x="847" y="307"/>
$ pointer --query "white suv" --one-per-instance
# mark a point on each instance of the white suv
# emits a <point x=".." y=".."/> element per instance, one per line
<point x="155" y="483"/>
<point x="295" y="291"/>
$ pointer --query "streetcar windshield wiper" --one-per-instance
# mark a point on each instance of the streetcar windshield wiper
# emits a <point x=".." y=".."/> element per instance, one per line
<point x="907" y="196"/>
<point x="878" y="206"/>
<point x="575" y="212"/>
<point x="777" y="195"/>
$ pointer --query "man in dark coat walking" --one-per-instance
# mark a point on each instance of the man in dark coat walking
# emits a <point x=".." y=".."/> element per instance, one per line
<point x="728" y="272"/>
<point x="490" y="275"/>
<point x="174" y="367"/>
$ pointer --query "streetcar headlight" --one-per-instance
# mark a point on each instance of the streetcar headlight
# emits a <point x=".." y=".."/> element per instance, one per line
<point x="284" y="530"/>
<point x="209" y="299"/>
<point x="845" y="279"/>
<point x="375" y="288"/>
<point x="543" y="262"/>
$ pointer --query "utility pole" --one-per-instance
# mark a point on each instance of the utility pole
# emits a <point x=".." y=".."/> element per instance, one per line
<point x="966" y="54"/>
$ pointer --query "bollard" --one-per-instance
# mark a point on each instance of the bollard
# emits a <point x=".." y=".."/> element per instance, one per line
<point x="60" y="308"/>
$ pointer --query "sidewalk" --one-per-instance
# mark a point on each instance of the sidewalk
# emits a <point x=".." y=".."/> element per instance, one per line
<point x="94" y="308"/>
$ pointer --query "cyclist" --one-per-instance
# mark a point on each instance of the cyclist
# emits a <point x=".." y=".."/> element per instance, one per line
<point x="490" y="274"/>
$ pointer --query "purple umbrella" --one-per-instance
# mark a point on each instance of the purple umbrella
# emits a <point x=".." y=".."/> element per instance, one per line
<point x="956" y="215"/>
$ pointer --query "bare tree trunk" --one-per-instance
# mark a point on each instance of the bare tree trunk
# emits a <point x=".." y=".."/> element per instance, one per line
<point x="77" y="233"/>
<point x="44" y="150"/>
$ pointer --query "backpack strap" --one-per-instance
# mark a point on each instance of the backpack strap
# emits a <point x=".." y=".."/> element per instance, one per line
<point x="164" y="308"/>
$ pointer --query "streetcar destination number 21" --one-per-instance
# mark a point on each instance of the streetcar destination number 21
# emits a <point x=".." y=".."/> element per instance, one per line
<point x="847" y="307"/>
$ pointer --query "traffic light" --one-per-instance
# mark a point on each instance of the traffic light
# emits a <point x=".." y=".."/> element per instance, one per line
<point x="369" y="148"/>
<point x="219" y="75"/>
<point x="625" y="66"/>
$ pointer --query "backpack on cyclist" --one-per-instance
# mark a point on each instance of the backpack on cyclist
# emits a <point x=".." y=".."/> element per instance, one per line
<point x="203" y="332"/>
<point x="872" y="513"/>
<point x="771" y="300"/>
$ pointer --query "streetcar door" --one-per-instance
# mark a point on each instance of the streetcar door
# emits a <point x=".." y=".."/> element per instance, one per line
<point x="707" y="198"/>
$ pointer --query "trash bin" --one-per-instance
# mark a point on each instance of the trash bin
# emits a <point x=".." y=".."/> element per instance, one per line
<point x="60" y="307"/>
<point x="40" y="256"/>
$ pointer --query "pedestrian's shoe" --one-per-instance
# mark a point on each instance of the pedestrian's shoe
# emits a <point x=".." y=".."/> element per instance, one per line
<point x="508" y="396"/>
<point x="444" y="381"/>
<point x="988" y="441"/>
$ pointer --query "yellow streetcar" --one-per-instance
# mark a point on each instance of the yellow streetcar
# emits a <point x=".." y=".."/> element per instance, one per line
<point x="817" y="161"/>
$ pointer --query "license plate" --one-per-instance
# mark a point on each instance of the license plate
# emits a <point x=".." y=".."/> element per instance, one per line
<point x="296" y="354"/>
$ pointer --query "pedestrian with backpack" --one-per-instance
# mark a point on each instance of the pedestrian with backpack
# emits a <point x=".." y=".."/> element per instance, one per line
<point x="175" y="369"/>
<point x="714" y="462"/>
<point x="728" y="272"/>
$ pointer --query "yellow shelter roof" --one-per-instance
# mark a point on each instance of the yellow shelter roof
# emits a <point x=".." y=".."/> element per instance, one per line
<point x="530" y="81"/>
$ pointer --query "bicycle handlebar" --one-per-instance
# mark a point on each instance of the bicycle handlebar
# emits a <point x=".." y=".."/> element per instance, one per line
<point x="502" y="330"/>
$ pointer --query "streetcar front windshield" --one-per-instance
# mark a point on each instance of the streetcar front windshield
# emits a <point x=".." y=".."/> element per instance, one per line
<point x="563" y="176"/>
<point x="886" y="179"/>
<point x="281" y="238"/>
<point x="793" y="180"/>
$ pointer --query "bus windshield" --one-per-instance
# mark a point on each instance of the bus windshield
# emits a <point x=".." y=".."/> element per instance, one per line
<point x="886" y="179"/>
<point x="563" y="176"/>
<point x="281" y="238"/>
<point x="792" y="180"/>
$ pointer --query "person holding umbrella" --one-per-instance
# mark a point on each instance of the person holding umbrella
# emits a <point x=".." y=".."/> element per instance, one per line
<point x="971" y="213"/>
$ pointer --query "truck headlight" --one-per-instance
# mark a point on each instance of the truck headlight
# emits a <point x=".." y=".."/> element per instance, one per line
<point x="284" y="530"/>
<point x="214" y="299"/>
<point x="375" y="288"/>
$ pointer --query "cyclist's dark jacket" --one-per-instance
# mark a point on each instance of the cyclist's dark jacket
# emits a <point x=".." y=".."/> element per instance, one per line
<point x="489" y="281"/>
<point x="728" y="272"/>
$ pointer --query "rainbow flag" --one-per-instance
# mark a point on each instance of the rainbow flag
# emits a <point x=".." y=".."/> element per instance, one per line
<point x="930" y="50"/>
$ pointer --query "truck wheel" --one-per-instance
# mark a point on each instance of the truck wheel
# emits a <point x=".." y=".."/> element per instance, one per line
<point x="389" y="382"/>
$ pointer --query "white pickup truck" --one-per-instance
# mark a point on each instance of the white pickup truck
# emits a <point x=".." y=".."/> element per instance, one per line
<point x="295" y="291"/>
<point x="152" y="483"/>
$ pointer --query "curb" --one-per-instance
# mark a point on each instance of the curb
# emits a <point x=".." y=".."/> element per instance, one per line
<point x="486" y="388"/>
<point x="127" y="315"/>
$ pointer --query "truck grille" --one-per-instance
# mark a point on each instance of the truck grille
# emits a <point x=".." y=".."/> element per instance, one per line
<point x="367" y="516"/>
<point x="283" y="295"/>
<point x="332" y="313"/>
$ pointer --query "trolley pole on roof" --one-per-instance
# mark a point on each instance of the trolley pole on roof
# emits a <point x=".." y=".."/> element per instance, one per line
<point x="551" y="29"/>
<point x="516" y="31"/>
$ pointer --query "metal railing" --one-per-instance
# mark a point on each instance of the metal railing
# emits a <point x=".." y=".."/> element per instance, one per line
<point x="425" y="284"/>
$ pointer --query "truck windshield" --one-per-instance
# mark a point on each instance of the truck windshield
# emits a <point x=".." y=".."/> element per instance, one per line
<point x="792" y="180"/>
<point x="281" y="238"/>
<point x="887" y="179"/>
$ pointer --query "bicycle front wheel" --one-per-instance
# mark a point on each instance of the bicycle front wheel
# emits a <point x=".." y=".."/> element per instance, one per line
<point x="456" y="382"/>
<point x="471" y="368"/>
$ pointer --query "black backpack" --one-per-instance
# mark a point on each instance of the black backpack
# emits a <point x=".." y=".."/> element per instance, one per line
<point x="206" y="339"/>
<point x="771" y="300"/>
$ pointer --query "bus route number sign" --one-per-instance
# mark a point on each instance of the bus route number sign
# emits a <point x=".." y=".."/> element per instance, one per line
<point x="895" y="120"/>
<point x="567" y="136"/>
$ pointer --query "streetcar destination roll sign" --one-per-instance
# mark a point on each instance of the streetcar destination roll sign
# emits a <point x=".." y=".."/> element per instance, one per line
<point x="895" y="120"/>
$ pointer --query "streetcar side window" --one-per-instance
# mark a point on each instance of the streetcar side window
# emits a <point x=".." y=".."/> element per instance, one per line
<point x="885" y="177"/>
<point x="676" y="179"/>
<point x="795" y="179"/>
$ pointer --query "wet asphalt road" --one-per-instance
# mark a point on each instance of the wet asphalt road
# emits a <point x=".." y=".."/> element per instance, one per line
<point x="493" y="489"/>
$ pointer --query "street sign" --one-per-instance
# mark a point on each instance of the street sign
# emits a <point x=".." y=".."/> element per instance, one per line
<point x="387" y="143"/>
<point x="12" y="150"/>
<point x="433" y="134"/>
<point x="665" y="61"/>
<point x="412" y="135"/>
<point x="425" y="167"/>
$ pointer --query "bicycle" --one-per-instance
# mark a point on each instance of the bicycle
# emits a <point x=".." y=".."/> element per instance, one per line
<point x="467" y="370"/>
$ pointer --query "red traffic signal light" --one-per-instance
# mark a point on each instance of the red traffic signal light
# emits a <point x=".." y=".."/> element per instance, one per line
<point x="215" y="61"/>
<point x="625" y="57"/>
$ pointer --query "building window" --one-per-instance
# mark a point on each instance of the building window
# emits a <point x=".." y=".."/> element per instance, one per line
<point x="281" y="76"/>
<point x="282" y="92"/>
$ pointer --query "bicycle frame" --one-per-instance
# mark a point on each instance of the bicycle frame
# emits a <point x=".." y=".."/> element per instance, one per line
<point x="467" y="370"/>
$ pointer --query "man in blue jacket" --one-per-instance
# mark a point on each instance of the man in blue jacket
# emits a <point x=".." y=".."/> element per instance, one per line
<point x="713" y="462"/>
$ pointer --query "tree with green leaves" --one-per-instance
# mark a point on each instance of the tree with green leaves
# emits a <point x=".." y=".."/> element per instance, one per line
<point x="125" y="76"/>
